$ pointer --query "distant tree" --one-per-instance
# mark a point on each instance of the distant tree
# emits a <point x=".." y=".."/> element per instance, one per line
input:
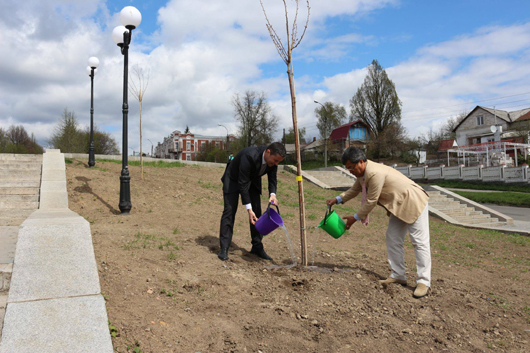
<point x="66" y="135"/>
<point x="69" y="137"/>
<point x="16" y="140"/>
<point x="3" y="141"/>
<point x="210" y="153"/>
<point x="289" y="137"/>
<point x="257" y="123"/>
<point x="393" y="139"/>
<point x="139" y="83"/>
<point x="329" y="117"/>
<point x="451" y="124"/>
<point x="376" y="101"/>
<point x="187" y="131"/>
<point x="522" y="130"/>
<point x="104" y="143"/>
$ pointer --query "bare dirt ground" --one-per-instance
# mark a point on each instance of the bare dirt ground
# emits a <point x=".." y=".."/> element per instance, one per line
<point x="166" y="291"/>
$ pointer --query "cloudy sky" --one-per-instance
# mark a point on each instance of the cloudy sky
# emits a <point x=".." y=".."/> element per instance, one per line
<point x="444" y="57"/>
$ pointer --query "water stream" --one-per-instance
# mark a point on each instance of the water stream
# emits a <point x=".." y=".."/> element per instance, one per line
<point x="317" y="239"/>
<point x="291" y="249"/>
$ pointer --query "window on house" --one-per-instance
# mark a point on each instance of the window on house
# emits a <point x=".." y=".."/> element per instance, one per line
<point x="188" y="157"/>
<point x="188" y="146"/>
<point x="203" y="146"/>
<point x="480" y="120"/>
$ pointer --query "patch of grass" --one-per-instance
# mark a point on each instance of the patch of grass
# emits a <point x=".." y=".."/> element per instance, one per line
<point x="482" y="186"/>
<point x="176" y="230"/>
<point x="68" y="161"/>
<point x="207" y="185"/>
<point x="113" y="330"/>
<point x="498" y="198"/>
<point x="102" y="169"/>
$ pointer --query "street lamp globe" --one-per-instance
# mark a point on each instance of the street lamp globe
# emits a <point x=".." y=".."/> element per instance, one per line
<point x="93" y="62"/>
<point x="117" y="34"/>
<point x="130" y="17"/>
<point x="89" y="71"/>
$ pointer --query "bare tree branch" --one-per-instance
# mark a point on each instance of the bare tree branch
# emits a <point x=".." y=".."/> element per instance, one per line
<point x="306" y="24"/>
<point x="275" y="37"/>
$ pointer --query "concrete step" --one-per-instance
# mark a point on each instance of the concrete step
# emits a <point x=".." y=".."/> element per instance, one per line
<point x="491" y="224"/>
<point x="448" y="206"/>
<point x="468" y="219"/>
<point x="433" y="193"/>
<point x="468" y="211"/>
<point x="18" y="191"/>
<point x="20" y="183"/>
<point x="20" y="157"/>
<point x="15" y="166"/>
<point x="28" y="205"/>
<point x="6" y="271"/>
<point x="8" y="242"/>
<point x="18" y="177"/>
<point x="19" y="174"/>
<point x="14" y="217"/>
<point x="18" y="198"/>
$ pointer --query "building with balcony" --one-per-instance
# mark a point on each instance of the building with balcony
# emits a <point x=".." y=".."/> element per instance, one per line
<point x="186" y="146"/>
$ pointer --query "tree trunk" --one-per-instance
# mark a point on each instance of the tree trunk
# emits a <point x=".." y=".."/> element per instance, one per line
<point x="141" y="150"/>
<point x="303" y="242"/>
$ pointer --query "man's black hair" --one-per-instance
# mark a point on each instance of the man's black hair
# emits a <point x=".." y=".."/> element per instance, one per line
<point x="354" y="155"/>
<point x="277" y="148"/>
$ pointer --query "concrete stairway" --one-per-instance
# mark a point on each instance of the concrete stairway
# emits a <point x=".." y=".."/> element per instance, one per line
<point x="20" y="177"/>
<point x="54" y="303"/>
<point x="461" y="212"/>
<point x="334" y="178"/>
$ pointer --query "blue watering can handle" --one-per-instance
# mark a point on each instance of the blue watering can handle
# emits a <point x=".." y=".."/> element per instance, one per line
<point x="269" y="210"/>
<point x="328" y="211"/>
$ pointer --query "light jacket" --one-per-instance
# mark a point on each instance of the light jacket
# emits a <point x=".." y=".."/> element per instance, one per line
<point x="390" y="189"/>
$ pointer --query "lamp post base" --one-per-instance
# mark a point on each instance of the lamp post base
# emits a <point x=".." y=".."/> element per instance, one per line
<point x="125" y="192"/>
<point x="91" y="156"/>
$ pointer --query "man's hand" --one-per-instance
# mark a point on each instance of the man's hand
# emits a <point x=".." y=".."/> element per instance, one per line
<point x="331" y="202"/>
<point x="350" y="221"/>
<point x="273" y="200"/>
<point x="252" y="216"/>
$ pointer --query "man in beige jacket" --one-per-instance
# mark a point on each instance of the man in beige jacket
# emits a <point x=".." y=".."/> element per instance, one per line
<point x="405" y="203"/>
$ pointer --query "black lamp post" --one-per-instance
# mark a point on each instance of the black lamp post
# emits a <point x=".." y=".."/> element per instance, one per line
<point x="130" y="18"/>
<point x="91" y="70"/>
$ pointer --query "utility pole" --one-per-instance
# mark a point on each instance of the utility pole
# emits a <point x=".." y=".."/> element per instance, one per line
<point x="284" y="137"/>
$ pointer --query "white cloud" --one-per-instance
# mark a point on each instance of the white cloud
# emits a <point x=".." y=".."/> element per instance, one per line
<point x="206" y="51"/>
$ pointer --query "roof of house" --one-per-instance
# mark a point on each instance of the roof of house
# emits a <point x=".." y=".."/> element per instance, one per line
<point x="509" y="117"/>
<point x="445" y="145"/>
<point x="290" y="148"/>
<point x="313" y="144"/>
<point x="525" y="116"/>
<point x="341" y="133"/>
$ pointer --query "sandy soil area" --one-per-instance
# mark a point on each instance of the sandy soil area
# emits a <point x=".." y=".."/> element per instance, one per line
<point x="166" y="291"/>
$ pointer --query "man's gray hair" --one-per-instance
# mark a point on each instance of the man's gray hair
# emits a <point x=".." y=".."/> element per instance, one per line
<point x="354" y="155"/>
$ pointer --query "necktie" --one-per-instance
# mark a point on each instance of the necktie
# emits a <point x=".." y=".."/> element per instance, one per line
<point x="363" y="185"/>
<point x="262" y="170"/>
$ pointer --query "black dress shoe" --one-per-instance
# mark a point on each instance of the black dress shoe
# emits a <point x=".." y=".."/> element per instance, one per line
<point x="261" y="253"/>
<point x="223" y="254"/>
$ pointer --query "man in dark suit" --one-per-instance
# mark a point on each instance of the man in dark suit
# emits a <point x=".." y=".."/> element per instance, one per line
<point x="243" y="177"/>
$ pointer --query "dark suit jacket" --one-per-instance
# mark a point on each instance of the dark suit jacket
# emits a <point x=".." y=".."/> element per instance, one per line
<point x="242" y="173"/>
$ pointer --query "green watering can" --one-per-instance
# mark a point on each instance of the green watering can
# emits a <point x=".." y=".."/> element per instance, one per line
<point x="333" y="224"/>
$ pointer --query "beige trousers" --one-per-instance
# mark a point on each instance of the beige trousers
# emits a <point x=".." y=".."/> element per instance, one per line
<point x="419" y="237"/>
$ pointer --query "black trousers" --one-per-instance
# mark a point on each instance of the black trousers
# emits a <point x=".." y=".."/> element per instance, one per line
<point x="229" y="215"/>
